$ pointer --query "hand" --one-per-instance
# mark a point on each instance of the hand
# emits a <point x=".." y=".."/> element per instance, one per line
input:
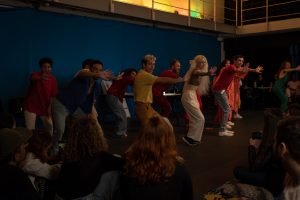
<point x="105" y="75"/>
<point x="120" y="76"/>
<point x="259" y="69"/>
<point x="255" y="142"/>
<point x="180" y="80"/>
<point x="298" y="68"/>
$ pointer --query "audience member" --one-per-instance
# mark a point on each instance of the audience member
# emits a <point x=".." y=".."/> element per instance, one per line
<point x="287" y="148"/>
<point x="14" y="183"/>
<point x="37" y="158"/>
<point x="83" y="172"/>
<point x="264" y="169"/>
<point x="153" y="168"/>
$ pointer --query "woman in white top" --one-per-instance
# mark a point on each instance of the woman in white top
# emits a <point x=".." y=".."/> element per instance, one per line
<point x="196" y="80"/>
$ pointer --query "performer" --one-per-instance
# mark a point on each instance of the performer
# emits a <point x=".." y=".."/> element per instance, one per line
<point x="114" y="99"/>
<point x="229" y="90"/>
<point x="282" y="77"/>
<point x="158" y="89"/>
<point x="143" y="83"/>
<point x="221" y="84"/>
<point x="234" y="94"/>
<point x="43" y="88"/>
<point x="195" y="79"/>
<point x="77" y="99"/>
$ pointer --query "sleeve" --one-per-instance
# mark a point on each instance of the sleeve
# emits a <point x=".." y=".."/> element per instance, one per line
<point x="54" y="92"/>
<point x="149" y="79"/>
<point x="35" y="167"/>
<point x="35" y="76"/>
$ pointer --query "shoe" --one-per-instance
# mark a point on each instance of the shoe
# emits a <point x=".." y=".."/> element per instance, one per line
<point x="226" y="133"/>
<point x="228" y="126"/>
<point x="190" y="141"/>
<point x="238" y="116"/>
<point x="230" y="123"/>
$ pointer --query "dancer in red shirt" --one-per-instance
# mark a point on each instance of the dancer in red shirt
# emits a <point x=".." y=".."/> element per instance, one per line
<point x="43" y="88"/>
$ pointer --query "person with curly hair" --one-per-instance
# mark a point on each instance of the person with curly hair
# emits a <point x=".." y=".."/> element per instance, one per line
<point x="86" y="163"/>
<point x="153" y="168"/>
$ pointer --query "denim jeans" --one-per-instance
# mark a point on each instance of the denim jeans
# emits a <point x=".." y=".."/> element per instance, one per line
<point x="117" y="108"/>
<point x="222" y="100"/>
<point x="60" y="113"/>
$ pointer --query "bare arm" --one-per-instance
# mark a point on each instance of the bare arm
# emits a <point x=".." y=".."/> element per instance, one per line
<point x="168" y="80"/>
<point x="103" y="74"/>
<point x="292" y="69"/>
<point x="188" y="73"/>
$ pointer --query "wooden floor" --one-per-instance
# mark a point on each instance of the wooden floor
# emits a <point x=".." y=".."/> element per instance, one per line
<point x="211" y="163"/>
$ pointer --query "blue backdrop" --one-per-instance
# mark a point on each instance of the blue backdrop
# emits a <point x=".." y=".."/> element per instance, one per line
<point x="26" y="35"/>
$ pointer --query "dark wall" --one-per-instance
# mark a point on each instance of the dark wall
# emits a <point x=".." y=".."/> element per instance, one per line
<point x="26" y="35"/>
<point x="267" y="50"/>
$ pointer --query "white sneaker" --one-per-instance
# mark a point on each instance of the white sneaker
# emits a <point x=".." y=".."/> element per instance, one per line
<point x="238" y="116"/>
<point x="230" y="123"/>
<point x="226" y="133"/>
<point x="228" y="126"/>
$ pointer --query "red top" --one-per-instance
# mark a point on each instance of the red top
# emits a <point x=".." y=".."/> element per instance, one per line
<point x="224" y="78"/>
<point x="39" y="95"/>
<point x="118" y="87"/>
<point x="159" y="88"/>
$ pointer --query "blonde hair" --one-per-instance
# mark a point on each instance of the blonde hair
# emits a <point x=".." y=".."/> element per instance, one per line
<point x="203" y="87"/>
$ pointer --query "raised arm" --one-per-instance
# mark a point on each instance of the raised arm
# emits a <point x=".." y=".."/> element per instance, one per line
<point x="105" y="75"/>
<point x="292" y="69"/>
<point x="169" y="80"/>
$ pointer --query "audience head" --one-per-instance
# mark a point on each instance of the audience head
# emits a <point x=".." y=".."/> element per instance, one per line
<point x="46" y="65"/>
<point x="87" y="63"/>
<point x="148" y="63"/>
<point x="85" y="138"/>
<point x="152" y="156"/>
<point x="175" y="66"/>
<point x="13" y="144"/>
<point x="7" y="120"/>
<point x="238" y="60"/>
<point x="288" y="142"/>
<point x="39" y="144"/>
<point x="294" y="109"/>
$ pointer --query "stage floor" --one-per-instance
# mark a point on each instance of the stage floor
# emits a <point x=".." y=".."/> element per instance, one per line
<point x="212" y="162"/>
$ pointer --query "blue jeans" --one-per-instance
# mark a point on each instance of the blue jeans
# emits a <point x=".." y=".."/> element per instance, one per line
<point x="222" y="100"/>
<point x="117" y="108"/>
<point x="59" y="114"/>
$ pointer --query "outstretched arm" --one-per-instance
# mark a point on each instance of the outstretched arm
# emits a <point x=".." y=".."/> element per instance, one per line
<point x="169" y="80"/>
<point x="105" y="75"/>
